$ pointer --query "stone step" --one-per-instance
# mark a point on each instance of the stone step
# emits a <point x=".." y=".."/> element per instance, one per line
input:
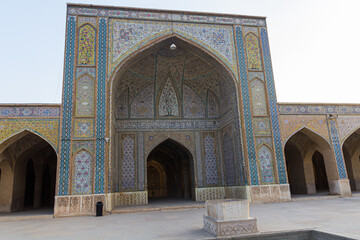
<point x="312" y="198"/>
<point x="24" y="217"/>
<point x="154" y="208"/>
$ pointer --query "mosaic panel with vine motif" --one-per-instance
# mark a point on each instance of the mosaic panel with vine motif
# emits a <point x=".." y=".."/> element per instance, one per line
<point x="253" y="52"/>
<point x="266" y="165"/>
<point x="168" y="101"/>
<point x="258" y="98"/>
<point x="86" y="47"/>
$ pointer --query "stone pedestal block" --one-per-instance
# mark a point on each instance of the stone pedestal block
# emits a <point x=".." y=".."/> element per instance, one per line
<point x="228" y="217"/>
<point x="228" y="228"/>
<point x="341" y="187"/>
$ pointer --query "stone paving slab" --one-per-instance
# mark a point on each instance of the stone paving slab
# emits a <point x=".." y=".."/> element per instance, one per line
<point x="338" y="216"/>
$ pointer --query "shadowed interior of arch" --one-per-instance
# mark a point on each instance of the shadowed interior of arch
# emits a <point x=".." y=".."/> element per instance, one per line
<point x="28" y="173"/>
<point x="169" y="171"/>
<point x="309" y="164"/>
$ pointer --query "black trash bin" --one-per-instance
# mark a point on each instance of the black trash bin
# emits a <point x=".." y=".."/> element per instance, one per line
<point x="99" y="209"/>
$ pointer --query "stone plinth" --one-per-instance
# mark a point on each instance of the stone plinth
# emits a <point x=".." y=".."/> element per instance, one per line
<point x="228" y="217"/>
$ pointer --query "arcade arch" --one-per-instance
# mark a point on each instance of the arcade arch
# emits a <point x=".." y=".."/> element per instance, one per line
<point x="310" y="163"/>
<point x="28" y="172"/>
<point x="185" y="93"/>
<point x="351" y="151"/>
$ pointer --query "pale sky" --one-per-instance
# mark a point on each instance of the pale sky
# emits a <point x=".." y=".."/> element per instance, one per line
<point x="315" y="45"/>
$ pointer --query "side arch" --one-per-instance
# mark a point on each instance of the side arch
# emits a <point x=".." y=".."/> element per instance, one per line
<point x="308" y="143"/>
<point x="307" y="130"/>
<point x="19" y="134"/>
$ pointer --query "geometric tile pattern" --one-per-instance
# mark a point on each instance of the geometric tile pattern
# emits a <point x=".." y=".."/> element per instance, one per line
<point x="82" y="70"/>
<point x="143" y="104"/>
<point x="266" y="165"/>
<point x="318" y="109"/>
<point x="48" y="129"/>
<point x="101" y="109"/>
<point x="128" y="163"/>
<point x="87" y="145"/>
<point x="128" y="35"/>
<point x="273" y="108"/>
<point x="228" y="155"/>
<point x="82" y="173"/>
<point x="67" y="107"/>
<point x="246" y="107"/>
<point x="212" y="106"/>
<point x="86" y="48"/>
<point x="83" y="20"/>
<point x="217" y="39"/>
<point x="253" y="52"/>
<point x="154" y="15"/>
<point x="84" y="106"/>
<point x="210" y="160"/>
<point x="29" y="112"/>
<point x="337" y="149"/>
<point x="121" y="106"/>
<point x="347" y="125"/>
<point x="193" y="106"/>
<point x="83" y="128"/>
<point x="290" y="124"/>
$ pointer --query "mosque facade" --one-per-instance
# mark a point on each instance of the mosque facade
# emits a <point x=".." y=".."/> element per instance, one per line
<point x="170" y="104"/>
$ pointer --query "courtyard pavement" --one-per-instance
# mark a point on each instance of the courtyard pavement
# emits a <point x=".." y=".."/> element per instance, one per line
<point x="335" y="215"/>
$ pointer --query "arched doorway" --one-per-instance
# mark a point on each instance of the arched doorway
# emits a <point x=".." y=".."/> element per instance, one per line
<point x="321" y="182"/>
<point x="351" y="151"/>
<point x="310" y="163"/>
<point x="28" y="166"/>
<point x="169" y="171"/>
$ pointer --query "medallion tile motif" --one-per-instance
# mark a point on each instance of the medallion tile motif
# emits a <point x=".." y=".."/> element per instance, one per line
<point x="83" y="128"/>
